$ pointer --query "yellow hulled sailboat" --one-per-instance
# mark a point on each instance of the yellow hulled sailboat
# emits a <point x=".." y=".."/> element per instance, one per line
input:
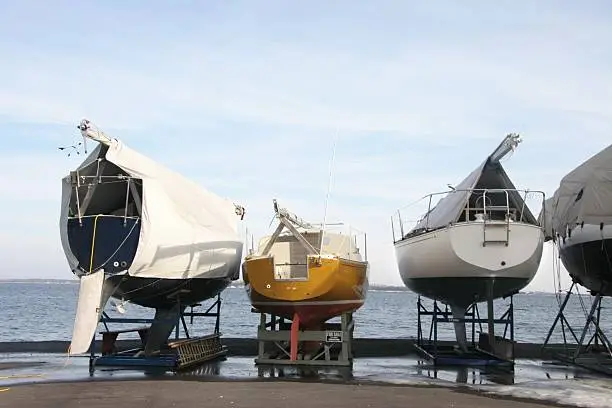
<point x="306" y="274"/>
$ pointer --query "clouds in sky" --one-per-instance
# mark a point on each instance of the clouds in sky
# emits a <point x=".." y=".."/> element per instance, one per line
<point x="246" y="98"/>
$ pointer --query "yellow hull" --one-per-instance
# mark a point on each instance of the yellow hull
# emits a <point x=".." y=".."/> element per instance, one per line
<point x="333" y="286"/>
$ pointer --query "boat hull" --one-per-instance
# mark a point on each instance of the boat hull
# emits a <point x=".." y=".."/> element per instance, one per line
<point x="103" y="242"/>
<point x="162" y="293"/>
<point x="587" y="256"/>
<point x="453" y="266"/>
<point x="114" y="240"/>
<point x="333" y="286"/>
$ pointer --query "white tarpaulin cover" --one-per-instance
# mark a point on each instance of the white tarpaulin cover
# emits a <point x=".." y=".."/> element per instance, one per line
<point x="584" y="196"/>
<point x="186" y="231"/>
<point x="89" y="309"/>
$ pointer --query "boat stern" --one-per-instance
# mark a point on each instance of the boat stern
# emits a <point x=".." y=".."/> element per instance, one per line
<point x="322" y="288"/>
<point x="290" y="282"/>
<point x="499" y="247"/>
<point x="456" y="266"/>
<point x="100" y="216"/>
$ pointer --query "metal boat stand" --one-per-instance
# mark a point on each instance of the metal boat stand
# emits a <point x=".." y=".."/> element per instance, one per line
<point x="596" y="353"/>
<point x="480" y="353"/>
<point x="178" y="354"/>
<point x="283" y="342"/>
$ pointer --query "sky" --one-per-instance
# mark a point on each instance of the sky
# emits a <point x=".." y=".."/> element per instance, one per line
<point x="248" y="97"/>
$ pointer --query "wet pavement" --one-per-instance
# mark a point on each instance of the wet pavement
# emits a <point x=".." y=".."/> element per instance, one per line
<point x="530" y="378"/>
<point x="252" y="394"/>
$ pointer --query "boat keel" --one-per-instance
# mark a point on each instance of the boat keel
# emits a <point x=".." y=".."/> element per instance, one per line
<point x="164" y="322"/>
<point x="459" y="324"/>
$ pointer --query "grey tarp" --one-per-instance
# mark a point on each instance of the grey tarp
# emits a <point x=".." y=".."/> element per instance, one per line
<point x="489" y="175"/>
<point x="450" y="206"/>
<point x="584" y="195"/>
<point x="546" y="215"/>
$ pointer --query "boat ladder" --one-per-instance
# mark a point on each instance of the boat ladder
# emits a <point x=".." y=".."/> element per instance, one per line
<point x="496" y="232"/>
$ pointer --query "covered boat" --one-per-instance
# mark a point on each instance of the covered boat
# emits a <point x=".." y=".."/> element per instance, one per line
<point x="307" y="274"/>
<point x="136" y="231"/>
<point x="578" y="218"/>
<point x="478" y="243"/>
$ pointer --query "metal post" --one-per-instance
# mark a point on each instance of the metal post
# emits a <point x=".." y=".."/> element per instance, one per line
<point x="103" y="319"/>
<point x="419" y="329"/>
<point x="178" y="321"/>
<point x="435" y="328"/>
<point x="597" y="322"/>
<point x="491" y="315"/>
<point x="217" y="323"/>
<point x="184" y="325"/>
<point x="511" y="316"/>
<point x="478" y="316"/>
<point x="559" y="315"/>
<point x="262" y="326"/>
<point x="564" y="337"/>
<point x="344" y="323"/>
<point x="588" y="323"/>
<point x="92" y="355"/>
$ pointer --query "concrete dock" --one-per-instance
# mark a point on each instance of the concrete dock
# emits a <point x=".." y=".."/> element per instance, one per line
<point x="278" y="394"/>
<point x="362" y="347"/>
<point x="40" y="374"/>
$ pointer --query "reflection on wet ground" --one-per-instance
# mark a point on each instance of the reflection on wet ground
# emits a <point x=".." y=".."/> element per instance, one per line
<point x="530" y="378"/>
<point x="50" y="367"/>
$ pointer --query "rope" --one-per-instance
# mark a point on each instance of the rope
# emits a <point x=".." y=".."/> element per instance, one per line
<point x="116" y="250"/>
<point x="93" y="244"/>
<point x="555" y="285"/>
<point x="605" y="250"/>
<point x="584" y="309"/>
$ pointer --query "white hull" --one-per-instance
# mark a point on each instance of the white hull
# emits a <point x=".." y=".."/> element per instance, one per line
<point x="430" y="262"/>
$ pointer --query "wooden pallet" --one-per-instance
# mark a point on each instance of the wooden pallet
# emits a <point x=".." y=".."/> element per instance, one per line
<point x="196" y="350"/>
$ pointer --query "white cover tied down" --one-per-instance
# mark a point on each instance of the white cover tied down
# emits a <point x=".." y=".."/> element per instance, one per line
<point x="186" y="231"/>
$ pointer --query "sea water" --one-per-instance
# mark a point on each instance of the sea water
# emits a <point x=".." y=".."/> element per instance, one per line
<point x="37" y="311"/>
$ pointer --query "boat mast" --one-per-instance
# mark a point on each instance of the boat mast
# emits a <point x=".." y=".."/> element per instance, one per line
<point x="329" y="182"/>
<point x="289" y="221"/>
<point x="510" y="142"/>
<point x="90" y="131"/>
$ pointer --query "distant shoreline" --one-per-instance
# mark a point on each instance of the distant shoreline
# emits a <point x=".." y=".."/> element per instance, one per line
<point x="235" y="285"/>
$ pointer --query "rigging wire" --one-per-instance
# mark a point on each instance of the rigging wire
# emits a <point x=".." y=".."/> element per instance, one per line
<point x="329" y="186"/>
<point x="556" y="276"/>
